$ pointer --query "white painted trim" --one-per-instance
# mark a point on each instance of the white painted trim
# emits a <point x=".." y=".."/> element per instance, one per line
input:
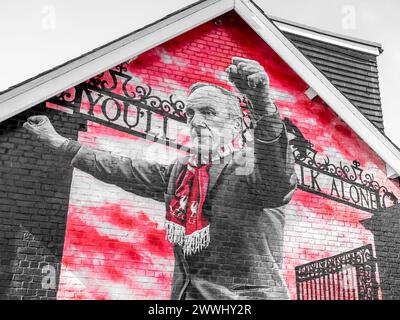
<point x="311" y="93"/>
<point x="329" y="33"/>
<point x="44" y="87"/>
<point x="327" y="38"/>
<point x="315" y="79"/>
<point x="390" y="173"/>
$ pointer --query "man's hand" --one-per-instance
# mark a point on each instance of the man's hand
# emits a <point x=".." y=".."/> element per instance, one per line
<point x="249" y="77"/>
<point x="41" y="127"/>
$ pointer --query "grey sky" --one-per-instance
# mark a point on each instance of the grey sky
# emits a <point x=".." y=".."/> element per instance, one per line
<point x="37" y="35"/>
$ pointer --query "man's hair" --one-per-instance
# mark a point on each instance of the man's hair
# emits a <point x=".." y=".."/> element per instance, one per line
<point x="232" y="99"/>
<point x="198" y="85"/>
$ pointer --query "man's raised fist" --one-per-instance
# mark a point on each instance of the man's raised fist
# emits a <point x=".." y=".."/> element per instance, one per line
<point x="248" y="76"/>
<point x="42" y="129"/>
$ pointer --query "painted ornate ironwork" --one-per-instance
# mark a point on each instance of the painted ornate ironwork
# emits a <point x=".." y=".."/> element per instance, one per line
<point x="135" y="94"/>
<point x="347" y="276"/>
<point x="124" y="105"/>
<point x="352" y="176"/>
<point x="351" y="173"/>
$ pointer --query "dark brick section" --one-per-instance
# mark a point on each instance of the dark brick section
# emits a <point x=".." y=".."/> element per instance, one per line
<point x="355" y="74"/>
<point x="34" y="195"/>
<point x="385" y="228"/>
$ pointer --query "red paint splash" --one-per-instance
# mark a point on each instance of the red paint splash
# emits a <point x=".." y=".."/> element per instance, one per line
<point x="154" y="238"/>
<point x="98" y="251"/>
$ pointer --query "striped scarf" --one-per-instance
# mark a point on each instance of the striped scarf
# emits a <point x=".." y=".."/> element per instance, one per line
<point x="185" y="222"/>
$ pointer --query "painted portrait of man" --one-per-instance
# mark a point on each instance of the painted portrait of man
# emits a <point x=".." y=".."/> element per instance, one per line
<point x="225" y="201"/>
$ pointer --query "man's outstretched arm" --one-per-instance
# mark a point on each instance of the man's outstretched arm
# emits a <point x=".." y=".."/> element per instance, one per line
<point x="274" y="173"/>
<point x="137" y="176"/>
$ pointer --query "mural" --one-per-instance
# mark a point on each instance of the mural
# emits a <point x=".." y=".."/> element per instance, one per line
<point x="213" y="194"/>
<point x="205" y="172"/>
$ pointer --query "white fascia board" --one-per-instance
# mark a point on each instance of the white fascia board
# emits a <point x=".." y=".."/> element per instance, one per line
<point x="390" y="172"/>
<point x="44" y="87"/>
<point x="315" y="79"/>
<point x="327" y="39"/>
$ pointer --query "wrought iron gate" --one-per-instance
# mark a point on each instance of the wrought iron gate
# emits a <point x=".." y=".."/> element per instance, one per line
<point x="346" y="276"/>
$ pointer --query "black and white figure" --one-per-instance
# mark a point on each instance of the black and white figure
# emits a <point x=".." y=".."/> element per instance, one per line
<point x="224" y="203"/>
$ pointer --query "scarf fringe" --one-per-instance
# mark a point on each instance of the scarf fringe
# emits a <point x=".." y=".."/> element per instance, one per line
<point x="175" y="233"/>
<point x="192" y="243"/>
<point x="196" y="241"/>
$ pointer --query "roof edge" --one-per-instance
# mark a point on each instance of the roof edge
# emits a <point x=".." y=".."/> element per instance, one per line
<point x="328" y="33"/>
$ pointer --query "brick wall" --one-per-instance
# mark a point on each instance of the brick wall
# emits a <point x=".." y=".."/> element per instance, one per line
<point x="108" y="243"/>
<point x="35" y="186"/>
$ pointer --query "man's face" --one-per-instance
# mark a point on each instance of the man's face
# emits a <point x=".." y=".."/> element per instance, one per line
<point x="211" y="119"/>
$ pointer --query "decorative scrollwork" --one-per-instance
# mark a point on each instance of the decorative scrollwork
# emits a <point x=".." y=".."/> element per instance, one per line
<point x="68" y="95"/>
<point x="333" y="264"/>
<point x="122" y="67"/>
<point x="365" y="283"/>
<point x="337" y="271"/>
<point x="351" y="173"/>
<point x="136" y="93"/>
<point x="166" y="107"/>
<point x="97" y="80"/>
